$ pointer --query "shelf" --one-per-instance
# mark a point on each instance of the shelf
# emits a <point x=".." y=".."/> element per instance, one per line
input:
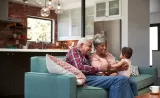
<point x="20" y="27"/>
<point x="19" y="39"/>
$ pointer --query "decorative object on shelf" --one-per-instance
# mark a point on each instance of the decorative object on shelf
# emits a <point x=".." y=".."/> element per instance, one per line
<point x="49" y="5"/>
<point x="15" y="35"/>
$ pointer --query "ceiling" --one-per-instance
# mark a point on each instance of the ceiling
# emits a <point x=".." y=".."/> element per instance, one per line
<point x="154" y="4"/>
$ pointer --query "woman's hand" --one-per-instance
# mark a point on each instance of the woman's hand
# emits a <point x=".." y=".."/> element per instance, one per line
<point x="105" y="68"/>
<point x="113" y="74"/>
<point x="108" y="67"/>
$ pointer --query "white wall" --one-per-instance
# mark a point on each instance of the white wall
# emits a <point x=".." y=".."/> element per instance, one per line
<point x="154" y="17"/>
<point x="156" y="63"/>
<point x="138" y="31"/>
<point x="124" y="33"/>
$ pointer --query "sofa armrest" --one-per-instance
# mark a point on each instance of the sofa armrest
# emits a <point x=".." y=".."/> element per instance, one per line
<point x="150" y="70"/>
<point x="45" y="85"/>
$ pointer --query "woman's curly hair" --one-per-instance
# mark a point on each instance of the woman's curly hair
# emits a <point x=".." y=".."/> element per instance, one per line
<point x="98" y="39"/>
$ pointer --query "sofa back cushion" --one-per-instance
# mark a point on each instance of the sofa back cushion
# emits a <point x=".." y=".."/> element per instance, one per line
<point x="38" y="63"/>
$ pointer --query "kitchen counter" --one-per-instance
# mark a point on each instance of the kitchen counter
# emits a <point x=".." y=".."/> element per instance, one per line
<point x="33" y="50"/>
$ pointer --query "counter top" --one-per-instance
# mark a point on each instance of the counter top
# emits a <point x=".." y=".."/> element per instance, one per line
<point x="33" y="50"/>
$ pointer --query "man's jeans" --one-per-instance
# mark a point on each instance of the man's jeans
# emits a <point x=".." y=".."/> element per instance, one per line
<point x="118" y="86"/>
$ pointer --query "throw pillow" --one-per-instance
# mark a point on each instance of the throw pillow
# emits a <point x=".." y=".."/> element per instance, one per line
<point x="57" y="66"/>
<point x="134" y="70"/>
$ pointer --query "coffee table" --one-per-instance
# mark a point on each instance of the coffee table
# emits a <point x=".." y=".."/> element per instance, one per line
<point x="149" y="95"/>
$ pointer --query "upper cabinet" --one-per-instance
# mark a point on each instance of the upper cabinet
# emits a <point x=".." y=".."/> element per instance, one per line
<point x="63" y="25"/>
<point x="107" y="9"/>
<point x="76" y="22"/>
<point x="69" y="25"/>
<point x="89" y="28"/>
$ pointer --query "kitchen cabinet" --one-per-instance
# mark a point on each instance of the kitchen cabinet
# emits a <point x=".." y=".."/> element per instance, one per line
<point x="12" y="69"/>
<point x="64" y="25"/>
<point x="89" y="22"/>
<point x="107" y="9"/>
<point x="76" y="22"/>
<point x="69" y="25"/>
<point x="4" y="74"/>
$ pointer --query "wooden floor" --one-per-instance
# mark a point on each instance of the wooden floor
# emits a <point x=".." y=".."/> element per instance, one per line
<point x="148" y="95"/>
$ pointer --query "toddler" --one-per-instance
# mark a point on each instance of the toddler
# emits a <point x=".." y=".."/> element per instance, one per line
<point x="125" y="55"/>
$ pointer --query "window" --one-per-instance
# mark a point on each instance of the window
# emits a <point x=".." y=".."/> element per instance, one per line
<point x="154" y="39"/>
<point x="42" y="30"/>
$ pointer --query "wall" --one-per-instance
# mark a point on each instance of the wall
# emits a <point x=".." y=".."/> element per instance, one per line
<point x="156" y="63"/>
<point x="138" y="31"/>
<point x="124" y="39"/>
<point x="154" y="17"/>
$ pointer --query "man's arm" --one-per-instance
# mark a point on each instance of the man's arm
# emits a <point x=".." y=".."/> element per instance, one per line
<point x="75" y="58"/>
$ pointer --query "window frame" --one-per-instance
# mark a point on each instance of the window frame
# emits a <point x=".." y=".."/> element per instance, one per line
<point x="52" y="26"/>
<point x="157" y="25"/>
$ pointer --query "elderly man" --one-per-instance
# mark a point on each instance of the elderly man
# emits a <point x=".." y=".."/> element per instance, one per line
<point x="79" y="57"/>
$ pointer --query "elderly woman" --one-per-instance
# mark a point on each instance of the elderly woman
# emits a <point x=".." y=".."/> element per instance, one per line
<point x="103" y="58"/>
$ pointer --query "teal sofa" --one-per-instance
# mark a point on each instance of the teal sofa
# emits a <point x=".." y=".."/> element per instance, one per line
<point x="40" y="84"/>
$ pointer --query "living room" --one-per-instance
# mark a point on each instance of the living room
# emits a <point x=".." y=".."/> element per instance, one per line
<point x="127" y="21"/>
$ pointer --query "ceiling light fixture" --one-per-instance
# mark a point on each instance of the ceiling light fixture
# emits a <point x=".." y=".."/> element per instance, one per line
<point x="45" y="11"/>
<point x="49" y="5"/>
<point x="59" y="9"/>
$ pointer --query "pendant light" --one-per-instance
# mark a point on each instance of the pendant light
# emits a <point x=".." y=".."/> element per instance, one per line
<point x="51" y="5"/>
<point x="59" y="9"/>
<point x="45" y="12"/>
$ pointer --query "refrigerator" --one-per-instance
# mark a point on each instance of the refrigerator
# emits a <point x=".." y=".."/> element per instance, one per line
<point x="112" y="32"/>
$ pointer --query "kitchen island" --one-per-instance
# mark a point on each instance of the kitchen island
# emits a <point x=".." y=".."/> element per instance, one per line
<point x="33" y="50"/>
<point x="14" y="63"/>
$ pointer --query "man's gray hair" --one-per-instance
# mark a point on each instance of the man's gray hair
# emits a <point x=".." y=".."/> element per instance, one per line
<point x="82" y="40"/>
<point x="98" y="39"/>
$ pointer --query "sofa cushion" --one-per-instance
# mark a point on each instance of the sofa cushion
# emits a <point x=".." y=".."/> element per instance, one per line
<point x="144" y="80"/>
<point x="57" y="66"/>
<point x="134" y="70"/>
<point x="91" y="92"/>
<point x="61" y="58"/>
<point x="38" y="63"/>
